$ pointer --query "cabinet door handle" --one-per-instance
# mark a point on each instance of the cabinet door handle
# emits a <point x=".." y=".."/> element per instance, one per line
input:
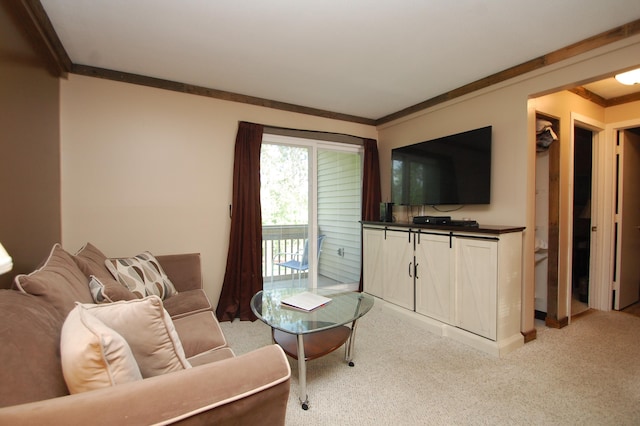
<point x="410" y="263"/>
<point x="415" y="271"/>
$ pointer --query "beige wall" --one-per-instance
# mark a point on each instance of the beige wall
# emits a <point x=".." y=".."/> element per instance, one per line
<point x="29" y="152"/>
<point x="505" y="107"/>
<point x="146" y="169"/>
<point x="149" y="169"/>
<point x="561" y="106"/>
<point x="623" y="113"/>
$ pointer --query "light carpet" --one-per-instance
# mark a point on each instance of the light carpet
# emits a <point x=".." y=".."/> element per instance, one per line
<point x="587" y="373"/>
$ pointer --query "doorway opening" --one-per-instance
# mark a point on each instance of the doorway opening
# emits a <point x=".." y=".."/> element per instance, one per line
<point x="627" y="220"/>
<point x="311" y="208"/>
<point x="581" y="244"/>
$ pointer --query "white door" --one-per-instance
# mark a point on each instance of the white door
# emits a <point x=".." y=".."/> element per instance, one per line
<point x="433" y="276"/>
<point x="399" y="268"/>
<point x="627" y="276"/>
<point x="339" y="195"/>
<point x="373" y="261"/>
<point x="311" y="198"/>
<point x="476" y="276"/>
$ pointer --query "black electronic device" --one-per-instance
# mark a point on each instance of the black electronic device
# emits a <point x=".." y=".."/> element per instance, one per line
<point x="451" y="170"/>
<point x="386" y="212"/>
<point x="431" y="220"/>
<point x="465" y="223"/>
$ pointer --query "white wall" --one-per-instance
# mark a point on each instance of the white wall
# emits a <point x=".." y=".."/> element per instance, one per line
<point x="149" y="169"/>
<point x="505" y="107"/>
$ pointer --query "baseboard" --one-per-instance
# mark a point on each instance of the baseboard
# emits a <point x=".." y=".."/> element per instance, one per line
<point x="556" y="323"/>
<point x="439" y="328"/>
<point x="530" y="335"/>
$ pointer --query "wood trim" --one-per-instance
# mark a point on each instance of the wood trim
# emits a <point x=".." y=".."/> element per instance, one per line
<point x="599" y="100"/>
<point x="553" y="322"/>
<point x="553" y="239"/>
<point x="31" y="16"/>
<point x="589" y="95"/>
<point x="633" y="97"/>
<point x="211" y="93"/>
<point x="530" y="335"/>
<point x="599" y="40"/>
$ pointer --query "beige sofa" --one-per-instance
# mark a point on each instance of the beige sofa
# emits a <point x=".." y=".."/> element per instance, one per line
<point x="220" y="388"/>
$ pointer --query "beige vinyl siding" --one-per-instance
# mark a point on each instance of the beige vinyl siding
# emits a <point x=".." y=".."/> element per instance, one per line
<point x="339" y="189"/>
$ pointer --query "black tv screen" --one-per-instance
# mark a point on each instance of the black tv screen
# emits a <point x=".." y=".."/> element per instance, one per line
<point x="454" y="169"/>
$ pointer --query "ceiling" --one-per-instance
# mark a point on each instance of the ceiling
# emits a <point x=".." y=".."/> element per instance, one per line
<point x="610" y="88"/>
<point x="365" y="58"/>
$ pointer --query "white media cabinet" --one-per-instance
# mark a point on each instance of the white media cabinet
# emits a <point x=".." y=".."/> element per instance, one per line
<point x="461" y="282"/>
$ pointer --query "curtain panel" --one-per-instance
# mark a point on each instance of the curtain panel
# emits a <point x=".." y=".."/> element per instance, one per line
<point x="243" y="275"/>
<point x="371" y="194"/>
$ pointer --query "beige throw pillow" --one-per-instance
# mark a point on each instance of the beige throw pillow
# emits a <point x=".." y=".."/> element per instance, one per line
<point x="58" y="281"/>
<point x="93" y="355"/>
<point x="149" y="330"/>
<point x="142" y="275"/>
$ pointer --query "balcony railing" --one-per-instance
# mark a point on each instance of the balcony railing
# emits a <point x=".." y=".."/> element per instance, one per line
<point x="278" y="239"/>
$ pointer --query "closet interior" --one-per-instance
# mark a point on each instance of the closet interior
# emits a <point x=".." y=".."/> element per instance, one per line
<point x="547" y="218"/>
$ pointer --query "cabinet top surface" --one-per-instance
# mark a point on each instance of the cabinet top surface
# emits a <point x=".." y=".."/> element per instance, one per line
<point x="481" y="229"/>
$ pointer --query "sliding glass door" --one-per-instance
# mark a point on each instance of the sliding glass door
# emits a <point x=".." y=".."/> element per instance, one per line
<point x="311" y="207"/>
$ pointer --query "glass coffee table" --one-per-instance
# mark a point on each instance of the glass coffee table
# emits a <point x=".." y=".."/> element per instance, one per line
<point x="307" y="335"/>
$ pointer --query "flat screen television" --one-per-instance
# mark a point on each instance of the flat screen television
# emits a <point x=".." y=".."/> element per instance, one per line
<point x="450" y="170"/>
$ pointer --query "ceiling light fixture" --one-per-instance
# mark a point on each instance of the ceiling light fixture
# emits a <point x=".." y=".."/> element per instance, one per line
<point x="630" y="77"/>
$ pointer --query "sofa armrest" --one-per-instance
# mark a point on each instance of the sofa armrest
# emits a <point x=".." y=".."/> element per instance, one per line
<point x="184" y="270"/>
<point x="249" y="389"/>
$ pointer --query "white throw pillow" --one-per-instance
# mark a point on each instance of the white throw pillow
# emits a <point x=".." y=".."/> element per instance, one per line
<point x="148" y="329"/>
<point x="93" y="355"/>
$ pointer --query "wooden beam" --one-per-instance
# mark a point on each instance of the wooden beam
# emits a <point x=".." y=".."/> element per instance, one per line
<point x="31" y="16"/>
<point x="599" y="100"/>
<point x="633" y="97"/>
<point x="599" y="40"/>
<point x="212" y="93"/>
<point x="590" y="96"/>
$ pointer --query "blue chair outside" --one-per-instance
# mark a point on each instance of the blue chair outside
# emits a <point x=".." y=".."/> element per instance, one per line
<point x="299" y="261"/>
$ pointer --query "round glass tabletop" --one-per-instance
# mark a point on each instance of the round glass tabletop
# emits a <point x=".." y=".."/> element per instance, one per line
<point x="344" y="307"/>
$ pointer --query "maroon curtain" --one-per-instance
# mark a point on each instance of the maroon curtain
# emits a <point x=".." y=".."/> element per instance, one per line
<point x="243" y="276"/>
<point x="371" y="196"/>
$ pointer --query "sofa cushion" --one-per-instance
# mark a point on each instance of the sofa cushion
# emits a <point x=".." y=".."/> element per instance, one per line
<point x="184" y="270"/>
<point x="148" y="329"/>
<point x="90" y="260"/>
<point x="213" y="355"/>
<point x="93" y="355"/>
<point x="59" y="281"/>
<point x="142" y="274"/>
<point x="199" y="333"/>
<point x="187" y="303"/>
<point x="29" y="349"/>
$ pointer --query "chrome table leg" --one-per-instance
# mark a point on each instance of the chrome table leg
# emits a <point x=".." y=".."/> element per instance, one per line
<point x="348" y="356"/>
<point x="302" y="374"/>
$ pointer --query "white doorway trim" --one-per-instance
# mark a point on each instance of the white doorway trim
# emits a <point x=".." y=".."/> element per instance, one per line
<point x="612" y="130"/>
<point x="314" y="146"/>
<point x="600" y="169"/>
